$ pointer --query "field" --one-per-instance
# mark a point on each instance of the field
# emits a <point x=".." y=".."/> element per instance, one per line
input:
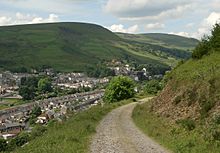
<point x="9" y="102"/>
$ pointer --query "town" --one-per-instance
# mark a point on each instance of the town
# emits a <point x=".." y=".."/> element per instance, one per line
<point x="88" y="91"/>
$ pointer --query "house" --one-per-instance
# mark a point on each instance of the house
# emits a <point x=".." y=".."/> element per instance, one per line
<point x="42" y="119"/>
<point x="11" y="128"/>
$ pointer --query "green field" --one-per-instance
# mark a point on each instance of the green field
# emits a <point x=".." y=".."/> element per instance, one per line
<point x="72" y="46"/>
<point x="9" y="102"/>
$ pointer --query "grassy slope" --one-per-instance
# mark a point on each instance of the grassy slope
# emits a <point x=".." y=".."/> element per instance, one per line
<point x="192" y="94"/>
<point x="68" y="46"/>
<point x="73" y="136"/>
<point x="164" y="47"/>
<point x="64" y="46"/>
<point x="172" y="136"/>
<point x="170" y="40"/>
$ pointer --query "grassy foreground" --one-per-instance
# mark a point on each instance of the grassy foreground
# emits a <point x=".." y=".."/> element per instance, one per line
<point x="72" y="136"/>
<point x="172" y="136"/>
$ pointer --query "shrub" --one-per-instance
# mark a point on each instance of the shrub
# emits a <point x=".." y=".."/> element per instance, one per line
<point x="206" y="106"/>
<point x="38" y="131"/>
<point x="217" y="119"/>
<point x="187" y="124"/>
<point x="152" y="86"/>
<point x="3" y="145"/>
<point x="119" y="88"/>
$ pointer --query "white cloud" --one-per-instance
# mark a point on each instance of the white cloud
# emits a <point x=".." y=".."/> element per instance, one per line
<point x="134" y="10"/>
<point x="4" y="20"/>
<point x="154" y="26"/>
<point x="184" y="34"/>
<point x="173" y="13"/>
<point x="207" y="24"/>
<point x="204" y="28"/>
<point x="121" y="28"/>
<point x="20" y="18"/>
<point x="190" y="25"/>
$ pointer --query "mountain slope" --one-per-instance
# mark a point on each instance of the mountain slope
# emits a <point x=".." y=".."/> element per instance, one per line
<point x="193" y="87"/>
<point x="68" y="47"/>
<point x="185" y="116"/>
<point x="163" y="47"/>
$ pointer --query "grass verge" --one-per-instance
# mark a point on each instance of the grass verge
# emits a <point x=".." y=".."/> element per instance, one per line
<point x="173" y="136"/>
<point x="73" y="135"/>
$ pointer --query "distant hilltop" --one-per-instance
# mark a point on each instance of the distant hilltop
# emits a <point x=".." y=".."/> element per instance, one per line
<point x="72" y="46"/>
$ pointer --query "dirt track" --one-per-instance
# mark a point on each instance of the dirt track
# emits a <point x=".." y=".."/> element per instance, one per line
<point x="118" y="134"/>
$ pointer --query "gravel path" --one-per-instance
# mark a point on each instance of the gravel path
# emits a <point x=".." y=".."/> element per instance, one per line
<point x="118" y="134"/>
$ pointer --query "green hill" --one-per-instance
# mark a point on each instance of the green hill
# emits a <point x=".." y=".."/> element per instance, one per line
<point x="69" y="47"/>
<point x="164" y="47"/>
<point x="185" y="116"/>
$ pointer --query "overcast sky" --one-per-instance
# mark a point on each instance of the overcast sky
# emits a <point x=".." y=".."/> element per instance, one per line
<point x="191" y="18"/>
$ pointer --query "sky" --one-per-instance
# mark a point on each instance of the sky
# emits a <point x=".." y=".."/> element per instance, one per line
<point x="190" y="18"/>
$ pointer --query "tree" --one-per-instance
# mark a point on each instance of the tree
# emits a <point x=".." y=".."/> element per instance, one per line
<point x="119" y="88"/>
<point x="27" y="92"/>
<point x="99" y="71"/>
<point x="36" y="111"/>
<point x="28" y="87"/>
<point x="44" y="85"/>
<point x="208" y="44"/>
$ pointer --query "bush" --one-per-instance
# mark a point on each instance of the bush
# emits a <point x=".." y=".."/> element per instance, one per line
<point x="3" y="145"/>
<point x="119" y="88"/>
<point x="152" y="87"/>
<point x="201" y="49"/>
<point x="38" y="131"/>
<point x="208" y="44"/>
<point x="206" y="106"/>
<point x="187" y="124"/>
<point x="18" y="141"/>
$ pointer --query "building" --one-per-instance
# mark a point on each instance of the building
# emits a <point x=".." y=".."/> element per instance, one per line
<point x="11" y="128"/>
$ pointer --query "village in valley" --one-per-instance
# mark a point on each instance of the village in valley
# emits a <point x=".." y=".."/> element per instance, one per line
<point x="76" y="92"/>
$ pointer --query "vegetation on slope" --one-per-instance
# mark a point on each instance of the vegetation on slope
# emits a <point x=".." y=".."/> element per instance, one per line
<point x="179" y="138"/>
<point x="185" y="115"/>
<point x="72" y="46"/>
<point x="72" y="135"/>
<point x="62" y="46"/>
<point x="164" y="47"/>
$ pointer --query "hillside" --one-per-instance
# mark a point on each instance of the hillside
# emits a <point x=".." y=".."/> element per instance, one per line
<point x="185" y="116"/>
<point x="68" y="47"/>
<point x="163" y="47"/>
<point x="193" y="87"/>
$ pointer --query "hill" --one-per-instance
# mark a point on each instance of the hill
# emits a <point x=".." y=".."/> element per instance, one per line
<point x="193" y="87"/>
<point x="163" y="47"/>
<point x="70" y="47"/>
<point x="185" y="116"/>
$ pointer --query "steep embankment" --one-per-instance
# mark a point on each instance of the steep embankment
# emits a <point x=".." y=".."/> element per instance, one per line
<point x="192" y="91"/>
<point x="66" y="47"/>
<point x="185" y="116"/>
